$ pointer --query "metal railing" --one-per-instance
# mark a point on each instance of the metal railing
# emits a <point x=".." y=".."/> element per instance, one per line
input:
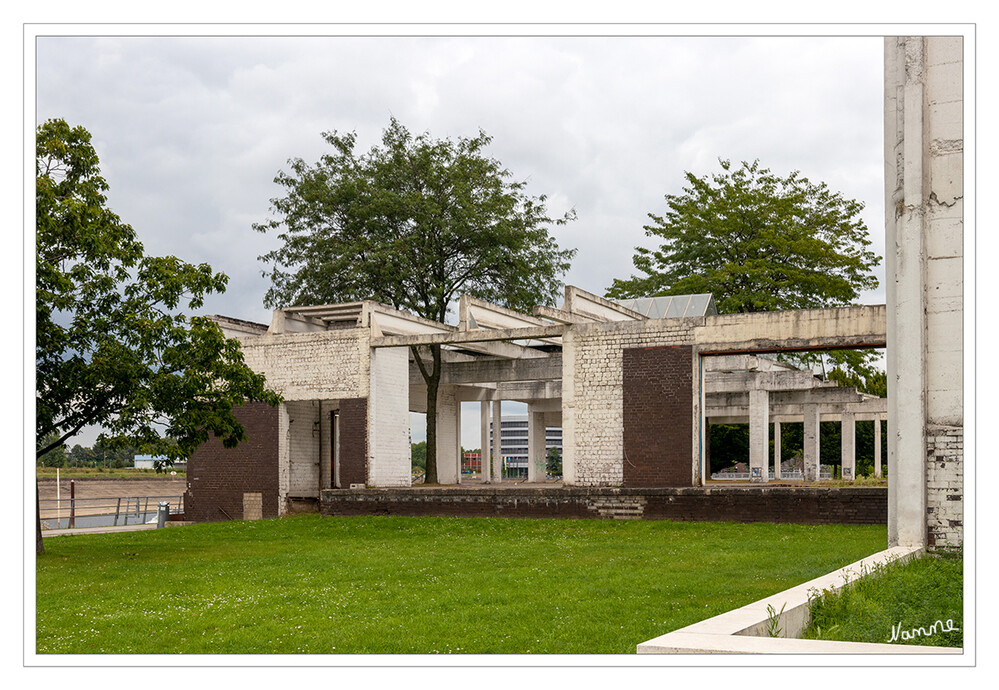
<point x="104" y="511"/>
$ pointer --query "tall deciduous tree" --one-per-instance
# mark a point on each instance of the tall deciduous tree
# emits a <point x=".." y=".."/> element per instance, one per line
<point x="758" y="242"/>
<point x="412" y="223"/>
<point x="113" y="347"/>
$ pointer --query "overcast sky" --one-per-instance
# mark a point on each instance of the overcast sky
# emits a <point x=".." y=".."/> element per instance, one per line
<point x="192" y="131"/>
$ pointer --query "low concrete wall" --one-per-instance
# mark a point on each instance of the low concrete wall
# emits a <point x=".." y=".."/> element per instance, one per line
<point x="800" y="505"/>
<point x="743" y="630"/>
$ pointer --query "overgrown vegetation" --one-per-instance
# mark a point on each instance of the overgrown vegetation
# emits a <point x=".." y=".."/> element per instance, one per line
<point x="307" y="584"/>
<point x="919" y="602"/>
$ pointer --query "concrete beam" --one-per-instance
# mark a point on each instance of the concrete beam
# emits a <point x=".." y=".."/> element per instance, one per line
<point x="587" y="304"/>
<point x="788" y="331"/>
<point x="561" y="316"/>
<point x="738" y="381"/>
<point x="519" y="391"/>
<point x="547" y="368"/>
<point x="467" y="339"/>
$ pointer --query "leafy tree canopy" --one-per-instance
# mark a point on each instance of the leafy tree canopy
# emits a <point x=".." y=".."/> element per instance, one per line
<point x="113" y="348"/>
<point x="412" y="223"/>
<point x="758" y="242"/>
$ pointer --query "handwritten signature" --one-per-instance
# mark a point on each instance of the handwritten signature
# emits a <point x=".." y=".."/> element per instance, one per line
<point x="938" y="626"/>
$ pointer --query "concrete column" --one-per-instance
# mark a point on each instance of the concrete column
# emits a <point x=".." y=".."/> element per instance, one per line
<point x="535" y="444"/>
<point x="776" y="450"/>
<point x="497" y="463"/>
<point x="877" y="445"/>
<point x="849" y="446"/>
<point x="448" y="431"/>
<point x="759" y="435"/>
<point x="457" y="440"/>
<point x="811" y="441"/>
<point x="484" y="473"/>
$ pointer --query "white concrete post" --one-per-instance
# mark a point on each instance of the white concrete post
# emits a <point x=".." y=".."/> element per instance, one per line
<point x="877" y="445"/>
<point x="777" y="450"/>
<point x="759" y="435"/>
<point x="849" y="446"/>
<point x="484" y="473"/>
<point x="457" y="439"/>
<point x="535" y="442"/>
<point x="448" y="463"/>
<point x="497" y="434"/>
<point x="811" y="441"/>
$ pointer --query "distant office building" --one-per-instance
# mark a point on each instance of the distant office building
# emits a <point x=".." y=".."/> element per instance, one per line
<point x="513" y="443"/>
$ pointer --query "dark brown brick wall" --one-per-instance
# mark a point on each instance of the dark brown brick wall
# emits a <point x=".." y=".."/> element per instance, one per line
<point x="796" y="505"/>
<point x="217" y="477"/>
<point x="353" y="441"/>
<point x="658" y="414"/>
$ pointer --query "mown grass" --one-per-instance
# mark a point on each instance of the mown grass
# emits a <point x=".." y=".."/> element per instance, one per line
<point x="895" y="598"/>
<point x="110" y="473"/>
<point x="307" y="584"/>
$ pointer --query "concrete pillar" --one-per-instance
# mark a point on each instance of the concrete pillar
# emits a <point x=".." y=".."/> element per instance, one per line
<point x="849" y="446"/>
<point x="776" y="450"/>
<point x="497" y="463"/>
<point x="877" y="445"/>
<point x="484" y="473"/>
<point x="811" y="442"/>
<point x="457" y="441"/>
<point x="448" y="432"/>
<point x="535" y="444"/>
<point x="759" y="435"/>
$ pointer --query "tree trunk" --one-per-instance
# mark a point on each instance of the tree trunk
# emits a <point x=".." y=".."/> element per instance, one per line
<point x="433" y="380"/>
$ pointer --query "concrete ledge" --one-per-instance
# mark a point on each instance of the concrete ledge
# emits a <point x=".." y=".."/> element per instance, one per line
<point x="743" y="630"/>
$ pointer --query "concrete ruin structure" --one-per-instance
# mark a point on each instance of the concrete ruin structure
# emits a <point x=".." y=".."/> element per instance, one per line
<point x="634" y="386"/>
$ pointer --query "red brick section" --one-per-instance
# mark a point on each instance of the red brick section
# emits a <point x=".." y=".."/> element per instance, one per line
<point x="217" y="477"/>
<point x="353" y="441"/>
<point x="795" y="505"/>
<point x="658" y="414"/>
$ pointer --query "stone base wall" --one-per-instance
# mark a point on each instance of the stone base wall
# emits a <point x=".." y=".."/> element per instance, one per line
<point x="797" y="505"/>
<point x="944" y="486"/>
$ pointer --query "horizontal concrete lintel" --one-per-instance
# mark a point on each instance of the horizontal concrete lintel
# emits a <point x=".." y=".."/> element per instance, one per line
<point x="862" y="326"/>
<point x="480" y="336"/>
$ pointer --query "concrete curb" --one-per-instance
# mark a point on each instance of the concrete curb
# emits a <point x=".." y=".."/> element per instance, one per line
<point x="743" y="630"/>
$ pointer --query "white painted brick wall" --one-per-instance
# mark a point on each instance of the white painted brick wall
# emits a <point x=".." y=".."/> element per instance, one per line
<point x="312" y="366"/>
<point x="389" y="453"/>
<point x="592" y="403"/>
<point x="945" y="485"/>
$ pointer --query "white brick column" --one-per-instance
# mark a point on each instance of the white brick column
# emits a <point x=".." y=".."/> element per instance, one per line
<point x="811" y="442"/>
<point x="848" y="455"/>
<point x="497" y="434"/>
<point x="777" y="450"/>
<point x="759" y="435"/>
<point x="390" y="456"/>
<point x="484" y="473"/>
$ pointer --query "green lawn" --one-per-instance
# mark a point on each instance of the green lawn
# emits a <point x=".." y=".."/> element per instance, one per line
<point x="896" y="598"/>
<point x="307" y="584"/>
